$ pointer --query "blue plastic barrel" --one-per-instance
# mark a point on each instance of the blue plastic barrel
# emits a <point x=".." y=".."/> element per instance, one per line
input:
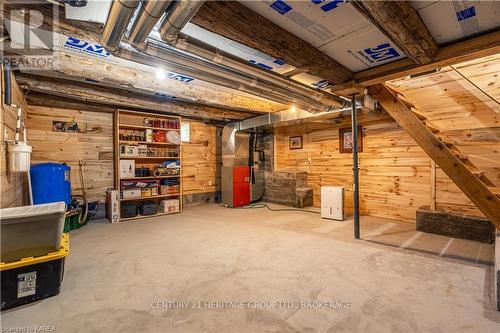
<point x="50" y="182"/>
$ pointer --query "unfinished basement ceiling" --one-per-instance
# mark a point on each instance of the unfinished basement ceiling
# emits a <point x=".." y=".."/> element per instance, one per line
<point x="334" y="27"/>
<point x="86" y="60"/>
<point x="450" y="21"/>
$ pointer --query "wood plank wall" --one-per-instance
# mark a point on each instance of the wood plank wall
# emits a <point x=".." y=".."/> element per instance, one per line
<point x="200" y="160"/>
<point x="13" y="185"/>
<point x="94" y="147"/>
<point x="394" y="170"/>
<point x="464" y="102"/>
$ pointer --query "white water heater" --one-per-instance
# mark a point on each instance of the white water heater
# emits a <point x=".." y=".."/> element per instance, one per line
<point x="332" y="203"/>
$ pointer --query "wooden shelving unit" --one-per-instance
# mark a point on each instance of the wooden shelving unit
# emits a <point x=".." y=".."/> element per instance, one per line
<point x="148" y="143"/>
<point x="131" y="132"/>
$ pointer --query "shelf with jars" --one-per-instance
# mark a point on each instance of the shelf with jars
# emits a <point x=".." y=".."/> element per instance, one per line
<point x="148" y="164"/>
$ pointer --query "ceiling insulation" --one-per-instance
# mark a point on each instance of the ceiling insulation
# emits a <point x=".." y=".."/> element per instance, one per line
<point x="449" y="21"/>
<point x="333" y="27"/>
<point x="94" y="11"/>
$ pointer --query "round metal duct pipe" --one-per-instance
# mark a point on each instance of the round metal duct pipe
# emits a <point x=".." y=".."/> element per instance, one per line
<point x="119" y="16"/>
<point x="206" y="51"/>
<point x="148" y="15"/>
<point x="179" y="14"/>
<point x="153" y="56"/>
<point x="239" y="80"/>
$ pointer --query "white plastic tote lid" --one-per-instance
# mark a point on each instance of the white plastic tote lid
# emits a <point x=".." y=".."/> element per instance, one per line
<point x="34" y="210"/>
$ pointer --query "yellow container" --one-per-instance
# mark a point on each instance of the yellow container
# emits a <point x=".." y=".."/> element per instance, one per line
<point x="63" y="252"/>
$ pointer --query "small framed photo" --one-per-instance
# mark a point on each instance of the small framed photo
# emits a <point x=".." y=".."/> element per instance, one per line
<point x="345" y="139"/>
<point x="295" y="142"/>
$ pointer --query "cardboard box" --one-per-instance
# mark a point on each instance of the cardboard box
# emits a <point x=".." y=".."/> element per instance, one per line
<point x="146" y="192"/>
<point x="169" y="206"/>
<point x="129" y="194"/>
<point x="129" y="150"/>
<point x="127" y="168"/>
<point x="112" y="205"/>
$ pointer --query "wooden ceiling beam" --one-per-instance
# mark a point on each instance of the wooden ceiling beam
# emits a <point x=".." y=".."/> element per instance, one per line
<point x="51" y="101"/>
<point x="233" y="20"/>
<point x="399" y="21"/>
<point x="123" y="98"/>
<point x="54" y="19"/>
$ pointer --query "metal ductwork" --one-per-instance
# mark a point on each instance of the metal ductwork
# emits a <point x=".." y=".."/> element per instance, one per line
<point x="210" y="72"/>
<point x="284" y="117"/>
<point x="179" y="14"/>
<point x="200" y="60"/>
<point x="234" y="146"/>
<point x="148" y="15"/>
<point x="208" y="52"/>
<point x="119" y="16"/>
<point x="161" y="58"/>
<point x="182" y="11"/>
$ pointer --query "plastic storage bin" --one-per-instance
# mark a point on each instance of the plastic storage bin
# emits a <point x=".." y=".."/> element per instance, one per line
<point x="149" y="208"/>
<point x="32" y="279"/>
<point x="31" y="231"/>
<point x="128" y="210"/>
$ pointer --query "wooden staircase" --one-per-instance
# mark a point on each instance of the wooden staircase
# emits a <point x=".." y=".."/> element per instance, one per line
<point x="442" y="150"/>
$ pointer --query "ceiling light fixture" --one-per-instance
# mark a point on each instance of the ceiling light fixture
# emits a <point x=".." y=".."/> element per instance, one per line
<point x="160" y="74"/>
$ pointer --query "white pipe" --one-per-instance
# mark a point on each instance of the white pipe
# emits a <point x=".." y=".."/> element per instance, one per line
<point x="18" y="125"/>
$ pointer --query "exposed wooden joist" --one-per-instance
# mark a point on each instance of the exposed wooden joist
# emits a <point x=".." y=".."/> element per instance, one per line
<point x="399" y="21"/>
<point x="233" y="20"/>
<point x="53" y="19"/>
<point x="40" y="99"/>
<point x="104" y="84"/>
<point x="467" y="50"/>
<point x="123" y="98"/>
<point x="85" y="66"/>
<point x="296" y="71"/>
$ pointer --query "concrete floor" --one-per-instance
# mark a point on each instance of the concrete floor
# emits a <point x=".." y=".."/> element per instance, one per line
<point x="117" y="274"/>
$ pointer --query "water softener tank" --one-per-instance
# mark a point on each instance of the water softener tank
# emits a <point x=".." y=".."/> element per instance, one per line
<point x="50" y="182"/>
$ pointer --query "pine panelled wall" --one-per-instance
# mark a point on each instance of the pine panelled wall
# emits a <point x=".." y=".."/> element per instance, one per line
<point x="93" y="146"/>
<point x="12" y="184"/>
<point x="464" y="102"/>
<point x="394" y="170"/>
<point x="200" y="160"/>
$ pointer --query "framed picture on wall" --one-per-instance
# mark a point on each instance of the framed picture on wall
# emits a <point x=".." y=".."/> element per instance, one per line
<point x="345" y="139"/>
<point x="295" y="142"/>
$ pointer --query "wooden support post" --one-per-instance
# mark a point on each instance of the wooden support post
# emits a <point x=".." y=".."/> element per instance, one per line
<point x="355" y="169"/>
<point x="433" y="185"/>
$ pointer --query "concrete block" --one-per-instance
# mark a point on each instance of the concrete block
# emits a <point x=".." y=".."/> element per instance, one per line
<point x="281" y="187"/>
<point x="455" y="225"/>
<point x="303" y="197"/>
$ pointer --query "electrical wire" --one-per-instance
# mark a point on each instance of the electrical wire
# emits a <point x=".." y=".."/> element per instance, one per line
<point x="86" y="203"/>
<point x="475" y="85"/>
<point x="262" y="205"/>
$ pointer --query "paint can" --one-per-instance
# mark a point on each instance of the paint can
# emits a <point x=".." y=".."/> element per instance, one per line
<point x="149" y="135"/>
